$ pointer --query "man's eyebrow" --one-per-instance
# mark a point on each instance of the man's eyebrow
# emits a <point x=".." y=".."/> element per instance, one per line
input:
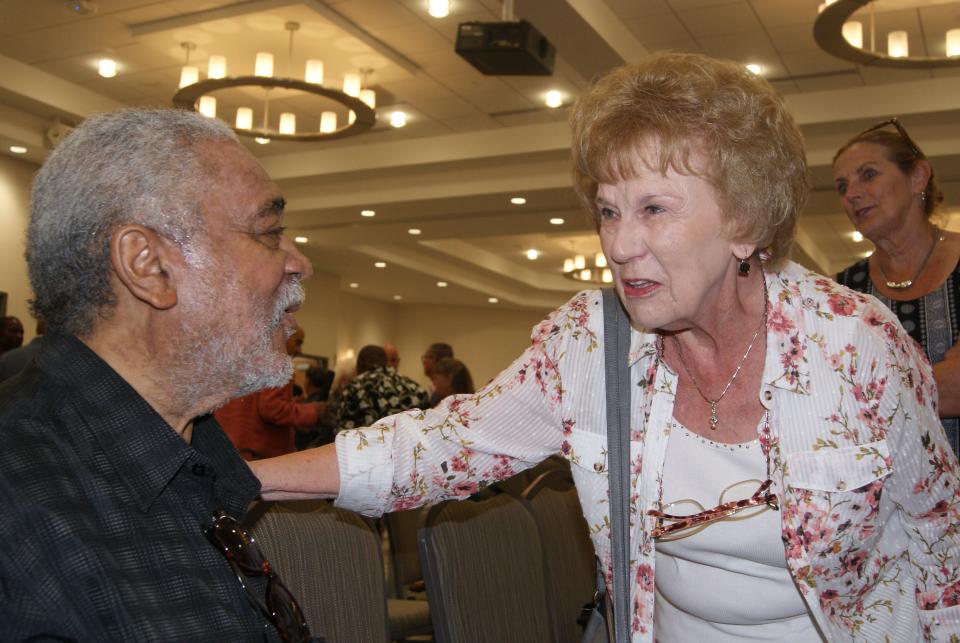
<point x="273" y="207"/>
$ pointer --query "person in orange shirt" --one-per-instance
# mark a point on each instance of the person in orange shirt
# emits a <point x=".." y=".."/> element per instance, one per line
<point x="262" y="424"/>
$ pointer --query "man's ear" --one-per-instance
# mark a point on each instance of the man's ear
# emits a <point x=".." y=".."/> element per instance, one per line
<point x="146" y="263"/>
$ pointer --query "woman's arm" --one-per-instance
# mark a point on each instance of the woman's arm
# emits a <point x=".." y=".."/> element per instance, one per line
<point x="313" y="473"/>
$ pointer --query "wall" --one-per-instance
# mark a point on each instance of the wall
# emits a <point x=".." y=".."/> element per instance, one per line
<point x="485" y="339"/>
<point x="15" y="179"/>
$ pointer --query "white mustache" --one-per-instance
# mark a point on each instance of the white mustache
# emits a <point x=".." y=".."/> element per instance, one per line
<point x="291" y="295"/>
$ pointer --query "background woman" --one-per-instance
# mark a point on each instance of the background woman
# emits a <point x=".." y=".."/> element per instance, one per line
<point x="451" y="377"/>
<point x="747" y="368"/>
<point x="888" y="190"/>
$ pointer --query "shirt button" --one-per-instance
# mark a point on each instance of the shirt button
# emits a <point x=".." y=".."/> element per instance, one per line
<point x="841" y="485"/>
<point x="767" y="395"/>
<point x="199" y="470"/>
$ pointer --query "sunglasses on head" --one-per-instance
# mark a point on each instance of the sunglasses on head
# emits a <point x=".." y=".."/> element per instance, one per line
<point x="246" y="559"/>
<point x="895" y="123"/>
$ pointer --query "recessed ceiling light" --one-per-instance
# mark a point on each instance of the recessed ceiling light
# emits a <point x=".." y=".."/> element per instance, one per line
<point x="107" y="67"/>
<point x="414" y="231"/>
<point x="553" y="98"/>
<point x="557" y="221"/>
<point x="518" y="200"/>
<point x="533" y="254"/>
<point x="262" y="140"/>
<point x="18" y="149"/>
<point x="439" y="8"/>
<point x="398" y="119"/>
<point x="397" y="297"/>
<point x="368" y="213"/>
<point x="354" y="284"/>
<point x="441" y="284"/>
<point x="380" y="264"/>
<point x="301" y="239"/>
<point x="493" y="300"/>
<point x="755" y="68"/>
<point x="857" y="236"/>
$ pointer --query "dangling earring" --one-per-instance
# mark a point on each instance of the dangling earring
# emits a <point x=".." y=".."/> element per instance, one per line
<point x="744" y="268"/>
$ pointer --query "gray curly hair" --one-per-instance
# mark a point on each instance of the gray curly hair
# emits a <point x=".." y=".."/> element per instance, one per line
<point x="138" y="166"/>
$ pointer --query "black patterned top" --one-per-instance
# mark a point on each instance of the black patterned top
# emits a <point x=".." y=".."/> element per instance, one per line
<point x="933" y="320"/>
<point x="376" y="394"/>
<point x="104" y="511"/>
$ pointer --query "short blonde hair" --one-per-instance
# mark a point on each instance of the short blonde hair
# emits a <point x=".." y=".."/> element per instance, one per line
<point x="694" y="107"/>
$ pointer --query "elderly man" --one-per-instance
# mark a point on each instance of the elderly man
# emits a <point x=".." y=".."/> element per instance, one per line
<point x="157" y="258"/>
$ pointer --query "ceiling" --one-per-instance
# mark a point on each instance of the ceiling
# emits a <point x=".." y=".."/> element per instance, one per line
<point x="472" y="142"/>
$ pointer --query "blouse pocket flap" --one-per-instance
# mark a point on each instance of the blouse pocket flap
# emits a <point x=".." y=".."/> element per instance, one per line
<point x="843" y="469"/>
<point x="587" y="450"/>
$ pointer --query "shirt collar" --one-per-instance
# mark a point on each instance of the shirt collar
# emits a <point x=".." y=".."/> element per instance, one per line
<point x="146" y="451"/>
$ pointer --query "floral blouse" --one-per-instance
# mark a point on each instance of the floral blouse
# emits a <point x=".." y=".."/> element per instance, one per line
<point x="868" y="486"/>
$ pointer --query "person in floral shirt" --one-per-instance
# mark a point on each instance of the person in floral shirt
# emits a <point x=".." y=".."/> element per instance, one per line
<point x="748" y="372"/>
<point x="377" y="391"/>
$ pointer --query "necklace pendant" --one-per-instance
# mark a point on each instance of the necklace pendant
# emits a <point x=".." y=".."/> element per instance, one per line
<point x="900" y="285"/>
<point x="714" y="418"/>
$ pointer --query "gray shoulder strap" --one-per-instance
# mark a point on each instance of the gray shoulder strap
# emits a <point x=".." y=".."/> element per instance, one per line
<point x="616" y="340"/>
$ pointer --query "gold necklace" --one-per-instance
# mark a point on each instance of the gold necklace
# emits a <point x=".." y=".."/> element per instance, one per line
<point x="901" y="285"/>
<point x="714" y="415"/>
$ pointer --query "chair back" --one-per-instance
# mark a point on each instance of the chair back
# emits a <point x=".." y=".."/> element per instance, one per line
<point x="483" y="567"/>
<point x="567" y="550"/>
<point x="332" y="562"/>
<point x="404" y="558"/>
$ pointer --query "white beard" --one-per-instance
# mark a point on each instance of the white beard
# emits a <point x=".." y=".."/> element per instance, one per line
<point x="222" y="358"/>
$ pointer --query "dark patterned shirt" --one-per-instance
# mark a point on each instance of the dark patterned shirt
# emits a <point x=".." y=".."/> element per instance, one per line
<point x="376" y="394"/>
<point x="933" y="320"/>
<point x="104" y="508"/>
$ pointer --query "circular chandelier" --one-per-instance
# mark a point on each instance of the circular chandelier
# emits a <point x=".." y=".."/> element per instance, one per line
<point x="195" y="94"/>
<point x="576" y="268"/>
<point x="836" y="34"/>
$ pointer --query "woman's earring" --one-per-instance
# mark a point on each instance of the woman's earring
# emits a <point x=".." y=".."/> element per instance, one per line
<point x="744" y="268"/>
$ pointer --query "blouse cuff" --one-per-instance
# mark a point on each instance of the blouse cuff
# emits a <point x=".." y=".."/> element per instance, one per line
<point x="366" y="470"/>
<point x="940" y="624"/>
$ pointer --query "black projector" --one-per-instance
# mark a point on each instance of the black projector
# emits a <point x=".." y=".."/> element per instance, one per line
<point x="505" y="48"/>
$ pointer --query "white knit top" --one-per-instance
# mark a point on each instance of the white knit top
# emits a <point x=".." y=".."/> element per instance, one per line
<point x="728" y="582"/>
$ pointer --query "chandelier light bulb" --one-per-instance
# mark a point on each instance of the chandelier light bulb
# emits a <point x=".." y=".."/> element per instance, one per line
<point x="188" y="75"/>
<point x="244" y="118"/>
<point x="264" y="65"/>
<point x="897" y="44"/>
<point x="607" y="276"/>
<point x="439" y="8"/>
<point x="217" y="67"/>
<point x="351" y="84"/>
<point x="852" y="32"/>
<point x="579" y="262"/>
<point x="328" y="122"/>
<point x="288" y="123"/>
<point x="314" y="73"/>
<point x="208" y="106"/>
<point x="369" y="97"/>
<point x="107" y="68"/>
<point x="600" y="261"/>
<point x="585" y="274"/>
<point x="953" y="42"/>
<point x="568" y="265"/>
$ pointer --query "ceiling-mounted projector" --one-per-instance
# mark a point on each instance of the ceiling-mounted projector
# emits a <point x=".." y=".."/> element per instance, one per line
<point x="506" y="48"/>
